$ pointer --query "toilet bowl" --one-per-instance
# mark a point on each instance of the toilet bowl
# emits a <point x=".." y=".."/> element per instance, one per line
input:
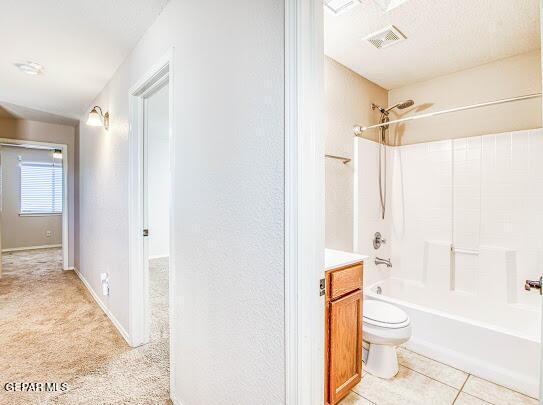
<point x="385" y="326"/>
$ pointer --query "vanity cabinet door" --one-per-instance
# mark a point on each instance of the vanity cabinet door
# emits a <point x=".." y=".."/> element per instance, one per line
<point x="345" y="342"/>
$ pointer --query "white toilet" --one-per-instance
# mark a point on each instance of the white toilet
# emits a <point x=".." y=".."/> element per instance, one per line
<point x="385" y="326"/>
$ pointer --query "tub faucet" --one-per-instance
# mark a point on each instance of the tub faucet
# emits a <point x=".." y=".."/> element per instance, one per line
<point x="378" y="261"/>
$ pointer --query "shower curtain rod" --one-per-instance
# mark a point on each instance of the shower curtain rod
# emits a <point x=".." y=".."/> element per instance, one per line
<point x="358" y="130"/>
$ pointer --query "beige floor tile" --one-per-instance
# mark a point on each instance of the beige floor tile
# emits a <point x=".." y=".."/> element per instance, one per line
<point x="407" y="388"/>
<point x="495" y="394"/>
<point x="431" y="368"/>
<point x="465" y="399"/>
<point x="355" y="399"/>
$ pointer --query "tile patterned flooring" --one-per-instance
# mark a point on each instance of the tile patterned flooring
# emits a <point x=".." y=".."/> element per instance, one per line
<point x="423" y="381"/>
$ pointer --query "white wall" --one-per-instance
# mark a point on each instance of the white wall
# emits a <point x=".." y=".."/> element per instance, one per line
<point x="228" y="195"/>
<point x="158" y="189"/>
<point x="24" y="231"/>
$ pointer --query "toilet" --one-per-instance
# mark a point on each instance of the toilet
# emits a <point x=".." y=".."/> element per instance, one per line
<point x="385" y="326"/>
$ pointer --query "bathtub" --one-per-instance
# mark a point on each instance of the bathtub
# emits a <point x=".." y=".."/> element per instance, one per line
<point x="494" y="341"/>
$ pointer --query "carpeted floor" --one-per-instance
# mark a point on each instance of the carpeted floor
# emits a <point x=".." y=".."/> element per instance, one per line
<point x="51" y="330"/>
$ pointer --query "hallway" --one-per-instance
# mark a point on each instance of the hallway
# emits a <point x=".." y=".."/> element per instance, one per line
<point x="53" y="331"/>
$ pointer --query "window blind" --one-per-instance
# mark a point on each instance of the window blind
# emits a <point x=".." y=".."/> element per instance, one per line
<point x="41" y="188"/>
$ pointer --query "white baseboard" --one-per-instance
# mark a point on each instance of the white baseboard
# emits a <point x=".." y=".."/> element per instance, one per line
<point x="174" y="399"/>
<point x="103" y="307"/>
<point x="31" y="248"/>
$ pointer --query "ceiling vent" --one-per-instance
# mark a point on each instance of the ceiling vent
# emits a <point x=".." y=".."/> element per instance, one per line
<point x="386" y="37"/>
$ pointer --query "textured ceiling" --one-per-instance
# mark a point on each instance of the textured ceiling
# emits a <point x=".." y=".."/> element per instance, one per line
<point x="80" y="44"/>
<point x="442" y="37"/>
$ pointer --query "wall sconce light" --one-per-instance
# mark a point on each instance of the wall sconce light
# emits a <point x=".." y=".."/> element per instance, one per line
<point x="97" y="118"/>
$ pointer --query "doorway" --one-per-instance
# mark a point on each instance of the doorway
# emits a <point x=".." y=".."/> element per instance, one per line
<point x="156" y="211"/>
<point x="151" y="258"/>
<point x="416" y="150"/>
<point x="34" y="198"/>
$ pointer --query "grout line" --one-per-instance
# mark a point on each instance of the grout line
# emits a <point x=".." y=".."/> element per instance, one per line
<point x="465" y="372"/>
<point x="498" y="385"/>
<point x="432" y="378"/>
<point x="460" y="390"/>
<point x="476" y="397"/>
<point x="437" y="361"/>
<point x="361" y="396"/>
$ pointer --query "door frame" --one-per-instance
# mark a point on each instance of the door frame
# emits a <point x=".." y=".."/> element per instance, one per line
<point x="304" y="201"/>
<point x="541" y="343"/>
<point x="138" y="280"/>
<point x="65" y="207"/>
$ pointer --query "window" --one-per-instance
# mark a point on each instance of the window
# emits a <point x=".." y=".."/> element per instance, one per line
<point x="41" y="188"/>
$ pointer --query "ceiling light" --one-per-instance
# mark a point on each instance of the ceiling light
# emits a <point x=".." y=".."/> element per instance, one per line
<point x="388" y="5"/>
<point x="97" y="118"/>
<point x="339" y="6"/>
<point x="30" y="68"/>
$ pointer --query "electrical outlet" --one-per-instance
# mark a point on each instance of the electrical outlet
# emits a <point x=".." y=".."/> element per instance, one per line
<point x="104" y="278"/>
<point x="48" y="234"/>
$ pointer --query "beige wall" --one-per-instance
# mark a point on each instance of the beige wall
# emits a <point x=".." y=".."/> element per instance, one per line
<point x="54" y="133"/>
<point x="504" y="78"/>
<point x="24" y="231"/>
<point x="348" y="97"/>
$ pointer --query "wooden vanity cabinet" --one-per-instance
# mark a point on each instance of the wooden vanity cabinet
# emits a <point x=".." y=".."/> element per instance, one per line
<point x="342" y="331"/>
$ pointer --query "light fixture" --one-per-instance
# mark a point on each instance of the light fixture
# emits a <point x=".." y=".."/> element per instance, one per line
<point x="30" y="68"/>
<point x="97" y="118"/>
<point x="57" y="154"/>
<point x="339" y="6"/>
<point x="388" y="5"/>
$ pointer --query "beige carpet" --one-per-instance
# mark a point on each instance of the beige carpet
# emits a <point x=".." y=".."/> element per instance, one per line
<point x="51" y="330"/>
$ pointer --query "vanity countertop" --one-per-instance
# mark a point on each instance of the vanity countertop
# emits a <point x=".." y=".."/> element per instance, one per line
<point x="337" y="258"/>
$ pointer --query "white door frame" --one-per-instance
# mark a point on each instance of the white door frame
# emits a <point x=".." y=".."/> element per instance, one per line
<point x="541" y="343"/>
<point x="65" y="208"/>
<point x="138" y="285"/>
<point x="304" y="205"/>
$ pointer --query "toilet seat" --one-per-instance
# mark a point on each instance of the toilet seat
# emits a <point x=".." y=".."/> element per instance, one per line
<point x="385" y="327"/>
<point x="384" y="315"/>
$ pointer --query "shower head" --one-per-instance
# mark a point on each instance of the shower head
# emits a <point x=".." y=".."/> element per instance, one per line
<point x="401" y="105"/>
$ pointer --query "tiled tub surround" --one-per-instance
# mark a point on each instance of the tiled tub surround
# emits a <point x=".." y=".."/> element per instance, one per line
<point x="464" y="232"/>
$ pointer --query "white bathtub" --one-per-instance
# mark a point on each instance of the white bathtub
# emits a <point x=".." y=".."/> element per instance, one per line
<point x="494" y="341"/>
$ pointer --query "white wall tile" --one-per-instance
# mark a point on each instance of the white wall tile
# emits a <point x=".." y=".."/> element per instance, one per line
<point x="480" y="193"/>
<point x="367" y="208"/>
